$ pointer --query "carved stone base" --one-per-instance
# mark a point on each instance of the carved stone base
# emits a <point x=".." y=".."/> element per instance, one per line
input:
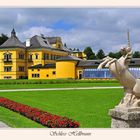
<point x="129" y="101"/>
<point x="125" y="117"/>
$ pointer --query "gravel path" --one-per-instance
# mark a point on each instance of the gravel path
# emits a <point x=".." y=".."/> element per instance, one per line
<point x="3" y="125"/>
<point x="75" y="88"/>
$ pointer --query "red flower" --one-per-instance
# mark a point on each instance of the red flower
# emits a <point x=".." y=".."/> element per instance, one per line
<point x="42" y="117"/>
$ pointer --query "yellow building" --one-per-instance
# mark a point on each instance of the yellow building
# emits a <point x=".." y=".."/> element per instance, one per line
<point x="47" y="71"/>
<point x="12" y="59"/>
<point x="55" y="42"/>
<point x="40" y="58"/>
<point x="77" y="53"/>
<point x="39" y="51"/>
<point x="66" y="67"/>
<point x="72" y="67"/>
<point x="16" y="57"/>
<point x="80" y="54"/>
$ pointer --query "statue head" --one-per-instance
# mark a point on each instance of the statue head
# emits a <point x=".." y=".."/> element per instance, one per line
<point x="125" y="50"/>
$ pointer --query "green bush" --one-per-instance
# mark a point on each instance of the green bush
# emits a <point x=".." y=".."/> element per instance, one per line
<point x="56" y="81"/>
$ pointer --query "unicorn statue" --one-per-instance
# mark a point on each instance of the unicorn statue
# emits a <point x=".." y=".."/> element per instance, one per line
<point x="119" y="68"/>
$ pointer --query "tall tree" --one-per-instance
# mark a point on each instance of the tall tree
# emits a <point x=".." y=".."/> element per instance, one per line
<point x="111" y="54"/>
<point x="100" y="54"/>
<point x="3" y="38"/>
<point x="89" y="53"/>
<point x="115" y="55"/>
<point x="136" y="54"/>
<point x="118" y="55"/>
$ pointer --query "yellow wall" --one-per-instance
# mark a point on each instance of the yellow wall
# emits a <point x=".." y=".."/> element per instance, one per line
<point x="81" y="55"/>
<point x="43" y="72"/>
<point x="66" y="69"/>
<point x="40" y="53"/>
<point x="34" y="60"/>
<point x="15" y="63"/>
<point x="58" y="44"/>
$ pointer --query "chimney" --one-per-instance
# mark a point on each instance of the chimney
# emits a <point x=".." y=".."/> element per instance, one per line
<point x="28" y="43"/>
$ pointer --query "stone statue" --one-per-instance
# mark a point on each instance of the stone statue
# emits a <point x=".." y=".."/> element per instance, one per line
<point x="119" y="68"/>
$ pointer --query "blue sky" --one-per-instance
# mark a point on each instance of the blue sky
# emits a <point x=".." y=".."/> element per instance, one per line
<point x="100" y="28"/>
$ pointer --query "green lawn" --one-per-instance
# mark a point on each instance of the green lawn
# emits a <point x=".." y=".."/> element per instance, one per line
<point x="62" y="85"/>
<point x="52" y="81"/>
<point x="88" y="107"/>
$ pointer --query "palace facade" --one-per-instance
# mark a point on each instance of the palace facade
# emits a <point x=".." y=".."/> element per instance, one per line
<point x="38" y="58"/>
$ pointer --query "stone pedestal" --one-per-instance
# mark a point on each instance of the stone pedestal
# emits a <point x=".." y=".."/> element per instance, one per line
<point x="125" y="117"/>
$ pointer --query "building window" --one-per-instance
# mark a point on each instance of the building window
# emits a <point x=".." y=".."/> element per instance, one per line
<point x="35" y="75"/>
<point x="53" y="72"/>
<point x="7" y="68"/>
<point x="51" y="57"/>
<point x="7" y="57"/>
<point x="21" y="56"/>
<point x="59" y="46"/>
<point x="7" y="77"/>
<point x="20" y="68"/>
<point x="36" y="56"/>
<point x="46" y="56"/>
<point x="47" y="75"/>
<point x="30" y="57"/>
<point x="57" y="56"/>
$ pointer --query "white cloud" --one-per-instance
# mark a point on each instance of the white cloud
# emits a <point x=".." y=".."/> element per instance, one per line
<point x="98" y="28"/>
<point x="35" y="31"/>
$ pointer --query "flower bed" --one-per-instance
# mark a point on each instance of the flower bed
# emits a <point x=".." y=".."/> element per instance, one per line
<point x="42" y="117"/>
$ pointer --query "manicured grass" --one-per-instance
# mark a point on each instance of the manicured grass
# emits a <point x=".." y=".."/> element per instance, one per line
<point x="16" y="120"/>
<point x="88" y="107"/>
<point x="64" y="85"/>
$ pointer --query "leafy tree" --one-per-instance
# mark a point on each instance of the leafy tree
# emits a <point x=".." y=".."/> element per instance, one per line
<point x="100" y="54"/>
<point x="118" y="55"/>
<point x="89" y="53"/>
<point x="136" y="54"/>
<point x="115" y="55"/>
<point x="3" y="38"/>
<point x="111" y="54"/>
